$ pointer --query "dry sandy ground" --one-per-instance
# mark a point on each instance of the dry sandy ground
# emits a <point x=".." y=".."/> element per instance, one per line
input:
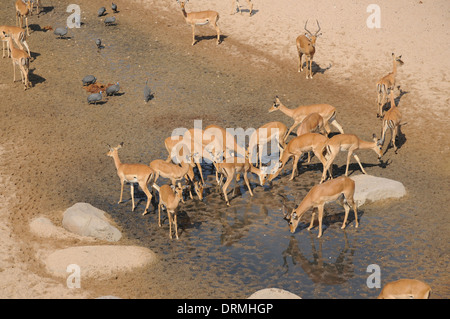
<point x="258" y="54"/>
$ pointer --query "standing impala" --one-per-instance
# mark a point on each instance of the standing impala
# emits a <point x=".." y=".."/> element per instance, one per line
<point x="18" y="35"/>
<point x="387" y="83"/>
<point x="350" y="143"/>
<point x="306" y="45"/>
<point x="297" y="146"/>
<point x="23" y="10"/>
<point x="132" y="173"/>
<point x="298" y="114"/>
<point x="200" y="18"/>
<point x="236" y="6"/>
<point x="230" y="167"/>
<point x="22" y="60"/>
<point x="321" y="194"/>
<point x="391" y="120"/>
<point x="169" y="196"/>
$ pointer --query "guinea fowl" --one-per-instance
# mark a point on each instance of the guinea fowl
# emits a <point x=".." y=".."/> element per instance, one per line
<point x="147" y="93"/>
<point x="101" y="11"/>
<point x="110" y="20"/>
<point x="61" y="32"/>
<point x="89" y="79"/>
<point x="94" y="98"/>
<point x="113" y="89"/>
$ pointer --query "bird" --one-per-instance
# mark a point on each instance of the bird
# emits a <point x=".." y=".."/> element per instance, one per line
<point x="94" y="98"/>
<point x="101" y="11"/>
<point x="147" y="93"/>
<point x="61" y="32"/>
<point x="89" y="79"/>
<point x="113" y="89"/>
<point x="98" y="42"/>
<point x="114" y="7"/>
<point x="110" y="20"/>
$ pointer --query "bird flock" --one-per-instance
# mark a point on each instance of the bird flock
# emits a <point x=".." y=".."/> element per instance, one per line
<point x="214" y="144"/>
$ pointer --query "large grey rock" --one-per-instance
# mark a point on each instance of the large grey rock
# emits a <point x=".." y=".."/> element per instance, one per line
<point x="86" y="220"/>
<point x="98" y="261"/>
<point x="370" y="188"/>
<point x="273" y="293"/>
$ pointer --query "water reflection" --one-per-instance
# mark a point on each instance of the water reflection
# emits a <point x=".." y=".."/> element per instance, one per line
<point x="320" y="269"/>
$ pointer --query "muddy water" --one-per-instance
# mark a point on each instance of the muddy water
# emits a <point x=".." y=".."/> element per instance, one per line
<point x="223" y="252"/>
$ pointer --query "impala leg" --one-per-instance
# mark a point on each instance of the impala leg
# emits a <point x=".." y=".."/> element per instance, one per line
<point x="247" y="183"/>
<point x="159" y="212"/>
<point x="359" y="162"/>
<point x="294" y="168"/>
<point x="170" y="224"/>
<point x="121" y="191"/>
<point x="300" y="65"/>
<point x="218" y="33"/>
<point x="250" y="5"/>
<point x="349" y="155"/>
<point x="225" y="187"/>
<point x="132" y="196"/>
<point x="320" y="208"/>
<point x="312" y="218"/>
<point x="149" y="196"/>
<point x="175" y="224"/>
<point x="193" y="34"/>
<point x="394" y="135"/>
<point x="336" y="125"/>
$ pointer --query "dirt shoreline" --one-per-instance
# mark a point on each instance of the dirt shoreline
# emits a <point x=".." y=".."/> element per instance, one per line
<point x="53" y="153"/>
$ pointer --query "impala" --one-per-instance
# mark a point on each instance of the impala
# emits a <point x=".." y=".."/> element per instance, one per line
<point x="23" y="10"/>
<point x="349" y="143"/>
<point x="236" y="6"/>
<point x="18" y="35"/>
<point x="200" y="18"/>
<point x="132" y="173"/>
<point x="169" y="196"/>
<point x="297" y="146"/>
<point x="264" y="134"/>
<point x="313" y="123"/>
<point x="306" y="45"/>
<point x="298" y="114"/>
<point x="391" y="120"/>
<point x="387" y="83"/>
<point x="321" y="194"/>
<point x="232" y="166"/>
<point x="405" y="289"/>
<point x="176" y="173"/>
<point x="22" y="60"/>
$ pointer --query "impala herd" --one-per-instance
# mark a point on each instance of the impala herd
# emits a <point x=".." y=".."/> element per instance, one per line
<point x="231" y="158"/>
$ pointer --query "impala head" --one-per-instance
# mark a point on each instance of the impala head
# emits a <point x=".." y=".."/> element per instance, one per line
<point x="378" y="146"/>
<point x="276" y="105"/>
<point x="293" y="219"/>
<point x="198" y="187"/>
<point x="312" y="37"/>
<point x="113" y="149"/>
<point x="397" y="59"/>
<point x="182" y="3"/>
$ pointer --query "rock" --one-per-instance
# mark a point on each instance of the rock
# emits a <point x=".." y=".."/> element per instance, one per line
<point x="86" y="220"/>
<point x="273" y="293"/>
<point x="371" y="188"/>
<point x="98" y="261"/>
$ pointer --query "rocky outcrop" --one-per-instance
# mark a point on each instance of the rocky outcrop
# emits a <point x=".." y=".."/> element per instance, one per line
<point x="370" y="188"/>
<point x="86" y="220"/>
